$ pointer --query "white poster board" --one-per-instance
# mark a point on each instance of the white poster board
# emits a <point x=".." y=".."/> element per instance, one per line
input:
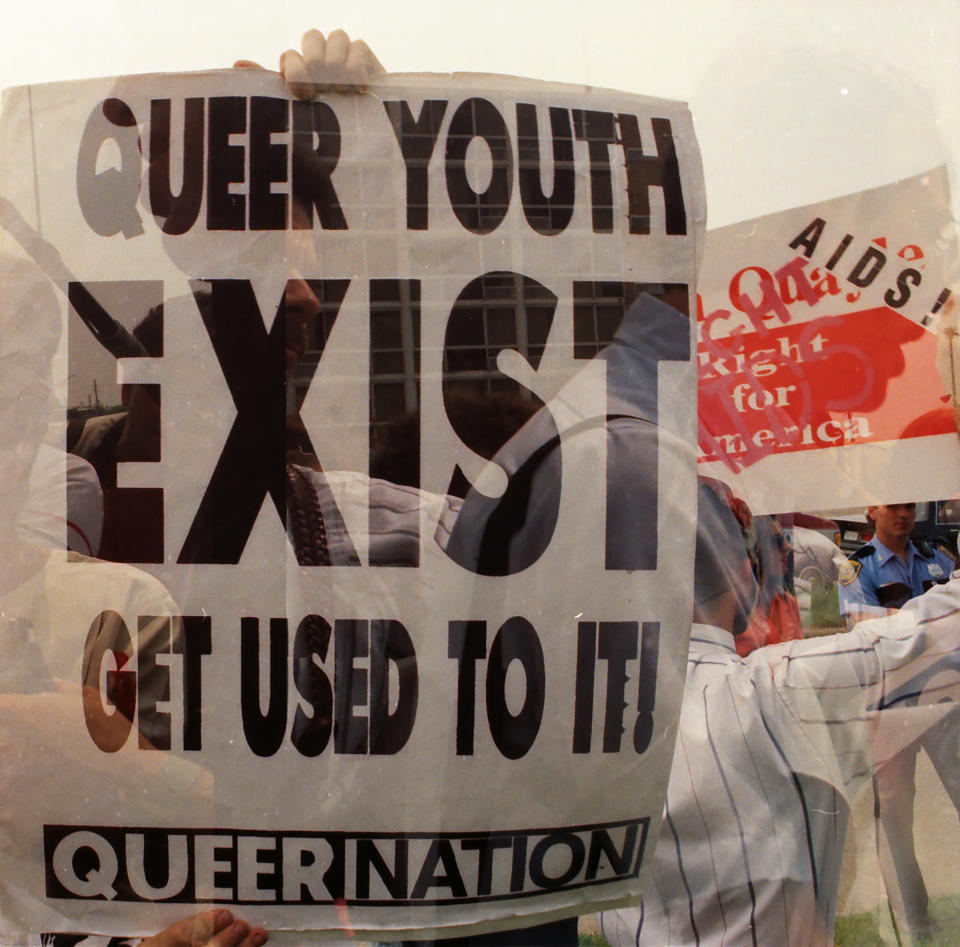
<point x="818" y="340"/>
<point x="323" y="693"/>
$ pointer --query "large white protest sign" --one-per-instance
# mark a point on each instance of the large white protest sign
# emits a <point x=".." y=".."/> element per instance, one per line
<point x="342" y="670"/>
<point x="818" y="333"/>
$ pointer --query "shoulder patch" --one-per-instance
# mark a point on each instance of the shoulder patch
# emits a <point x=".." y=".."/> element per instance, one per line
<point x="849" y="571"/>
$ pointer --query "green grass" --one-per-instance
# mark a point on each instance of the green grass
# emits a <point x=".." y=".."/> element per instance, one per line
<point x="863" y="930"/>
<point x="857" y="930"/>
<point x="592" y="939"/>
<point x="824" y="606"/>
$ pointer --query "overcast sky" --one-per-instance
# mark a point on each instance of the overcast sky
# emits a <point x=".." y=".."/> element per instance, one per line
<point x="793" y="102"/>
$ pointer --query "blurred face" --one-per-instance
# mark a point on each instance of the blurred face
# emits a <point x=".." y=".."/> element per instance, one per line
<point x="894" y="522"/>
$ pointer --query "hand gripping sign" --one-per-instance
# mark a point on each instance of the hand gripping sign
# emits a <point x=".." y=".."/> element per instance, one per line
<point x="393" y="591"/>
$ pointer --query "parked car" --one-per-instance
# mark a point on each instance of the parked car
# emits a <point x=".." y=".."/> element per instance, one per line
<point x="816" y="557"/>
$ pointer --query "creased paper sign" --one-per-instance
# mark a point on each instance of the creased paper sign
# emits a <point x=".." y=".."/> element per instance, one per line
<point x="388" y="623"/>
<point x="817" y="346"/>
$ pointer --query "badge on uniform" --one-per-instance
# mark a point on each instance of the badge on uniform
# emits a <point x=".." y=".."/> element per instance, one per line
<point x="849" y="570"/>
<point x="935" y="570"/>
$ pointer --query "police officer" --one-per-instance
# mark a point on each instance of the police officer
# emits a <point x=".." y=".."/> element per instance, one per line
<point x="889" y="570"/>
<point x="883" y="575"/>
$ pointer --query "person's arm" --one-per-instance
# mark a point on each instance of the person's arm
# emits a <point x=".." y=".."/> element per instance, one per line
<point x="857" y="698"/>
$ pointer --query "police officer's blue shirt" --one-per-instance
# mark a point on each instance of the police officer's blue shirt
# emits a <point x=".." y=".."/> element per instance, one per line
<point x="875" y="576"/>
